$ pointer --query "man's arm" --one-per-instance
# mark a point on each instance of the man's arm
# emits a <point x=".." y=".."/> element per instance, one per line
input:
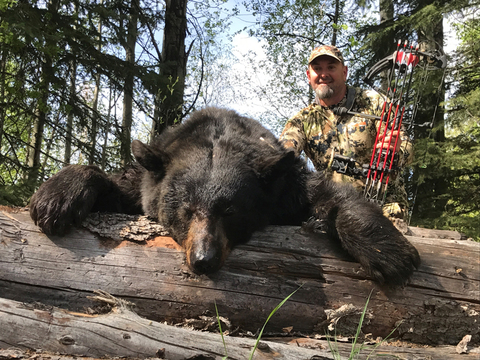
<point x="293" y="135"/>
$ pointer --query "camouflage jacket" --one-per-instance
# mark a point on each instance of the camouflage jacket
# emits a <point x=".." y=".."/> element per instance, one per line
<point x="321" y="134"/>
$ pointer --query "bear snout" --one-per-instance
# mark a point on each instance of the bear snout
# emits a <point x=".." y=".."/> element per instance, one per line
<point x="206" y="246"/>
<point x="204" y="261"/>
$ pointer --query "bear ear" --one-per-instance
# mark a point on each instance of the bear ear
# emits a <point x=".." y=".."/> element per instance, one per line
<point x="149" y="157"/>
<point x="275" y="166"/>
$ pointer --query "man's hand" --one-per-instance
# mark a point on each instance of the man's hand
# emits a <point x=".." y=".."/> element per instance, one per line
<point x="393" y="134"/>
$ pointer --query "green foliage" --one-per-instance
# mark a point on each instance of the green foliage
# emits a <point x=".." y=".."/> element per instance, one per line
<point x="221" y="333"/>
<point x="443" y="181"/>
<point x="5" y="4"/>
<point x="17" y="195"/>
<point x="261" y="331"/>
<point x="268" y="318"/>
<point x="456" y="159"/>
<point x="43" y="44"/>
<point x="287" y="32"/>
<point x="355" y="351"/>
<point x="46" y="44"/>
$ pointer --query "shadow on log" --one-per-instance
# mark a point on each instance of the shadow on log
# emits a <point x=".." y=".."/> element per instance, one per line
<point x="439" y="306"/>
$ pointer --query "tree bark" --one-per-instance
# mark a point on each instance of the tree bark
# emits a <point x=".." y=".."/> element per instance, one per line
<point x="169" y="99"/>
<point x="40" y="117"/>
<point x="96" y="94"/>
<point x="3" y="103"/>
<point x="122" y="333"/>
<point x="93" y="132"/>
<point x="387" y="12"/>
<point x="72" y="95"/>
<point x="125" y="153"/>
<point x="336" y="17"/>
<point x="41" y="107"/>
<point x="103" y="159"/>
<point x="439" y="305"/>
<point x="69" y="125"/>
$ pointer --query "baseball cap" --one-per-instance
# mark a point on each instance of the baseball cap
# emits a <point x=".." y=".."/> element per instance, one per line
<point x="327" y="50"/>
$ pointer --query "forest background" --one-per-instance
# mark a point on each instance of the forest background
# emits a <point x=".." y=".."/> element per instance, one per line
<point x="79" y="80"/>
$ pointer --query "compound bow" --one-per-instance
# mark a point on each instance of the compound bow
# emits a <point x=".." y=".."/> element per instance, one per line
<point x="397" y="110"/>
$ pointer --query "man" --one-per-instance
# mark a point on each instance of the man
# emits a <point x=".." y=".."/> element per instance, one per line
<point x="321" y="134"/>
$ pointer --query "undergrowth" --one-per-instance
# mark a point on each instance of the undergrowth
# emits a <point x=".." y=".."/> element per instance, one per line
<point x="333" y="345"/>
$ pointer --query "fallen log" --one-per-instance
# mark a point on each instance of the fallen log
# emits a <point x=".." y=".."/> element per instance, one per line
<point x="439" y="306"/>
<point x="122" y="333"/>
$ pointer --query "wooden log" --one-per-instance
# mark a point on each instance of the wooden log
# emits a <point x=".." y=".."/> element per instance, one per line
<point x="435" y="234"/>
<point x="440" y="305"/>
<point x="122" y="333"/>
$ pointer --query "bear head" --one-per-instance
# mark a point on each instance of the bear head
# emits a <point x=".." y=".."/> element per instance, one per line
<point x="213" y="183"/>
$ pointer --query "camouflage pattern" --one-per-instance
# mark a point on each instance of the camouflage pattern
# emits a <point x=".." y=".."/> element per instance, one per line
<point x="321" y="134"/>
<point x="327" y="50"/>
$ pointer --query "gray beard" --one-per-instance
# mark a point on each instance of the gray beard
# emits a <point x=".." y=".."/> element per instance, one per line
<point x="324" y="92"/>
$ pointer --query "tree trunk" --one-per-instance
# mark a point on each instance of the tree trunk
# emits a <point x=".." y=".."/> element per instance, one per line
<point x="335" y="22"/>
<point x="72" y="95"/>
<point x="96" y="93"/>
<point x="69" y="127"/>
<point x="439" y="305"/>
<point x="313" y="45"/>
<point x="3" y="103"/>
<point x="36" y="136"/>
<point x="169" y="99"/>
<point x="386" y="16"/>
<point x="432" y="195"/>
<point x="40" y="116"/>
<point x="50" y="142"/>
<point x="93" y="133"/>
<point x="103" y="160"/>
<point x="126" y="140"/>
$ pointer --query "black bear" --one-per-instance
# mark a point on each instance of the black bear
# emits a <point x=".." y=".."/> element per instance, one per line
<point x="214" y="180"/>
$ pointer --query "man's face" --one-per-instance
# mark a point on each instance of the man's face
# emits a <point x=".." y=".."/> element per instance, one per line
<point x="327" y="77"/>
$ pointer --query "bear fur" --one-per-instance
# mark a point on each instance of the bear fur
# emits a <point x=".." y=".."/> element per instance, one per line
<point x="214" y="180"/>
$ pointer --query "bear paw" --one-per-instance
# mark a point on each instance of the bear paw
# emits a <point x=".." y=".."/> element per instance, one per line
<point x="66" y="198"/>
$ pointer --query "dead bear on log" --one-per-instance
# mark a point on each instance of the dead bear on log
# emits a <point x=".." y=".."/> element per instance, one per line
<point x="214" y="180"/>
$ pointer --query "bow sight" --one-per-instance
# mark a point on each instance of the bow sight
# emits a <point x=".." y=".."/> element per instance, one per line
<point x="399" y="109"/>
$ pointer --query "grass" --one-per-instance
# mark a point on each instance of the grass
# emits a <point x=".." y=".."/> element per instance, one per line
<point x="354" y="352"/>
<point x="221" y="333"/>
<point x="261" y="331"/>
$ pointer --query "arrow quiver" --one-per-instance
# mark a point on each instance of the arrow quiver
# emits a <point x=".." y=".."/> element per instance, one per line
<point x="399" y="110"/>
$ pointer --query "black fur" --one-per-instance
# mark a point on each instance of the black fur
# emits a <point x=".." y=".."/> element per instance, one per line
<point x="213" y="181"/>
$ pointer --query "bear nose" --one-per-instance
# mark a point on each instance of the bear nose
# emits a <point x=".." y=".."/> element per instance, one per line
<point x="205" y="261"/>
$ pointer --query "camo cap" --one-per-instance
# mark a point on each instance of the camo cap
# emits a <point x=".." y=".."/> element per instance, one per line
<point x="327" y="50"/>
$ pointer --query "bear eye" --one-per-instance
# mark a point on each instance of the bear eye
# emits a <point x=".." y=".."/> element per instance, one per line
<point x="224" y="207"/>
<point x="229" y="211"/>
<point x="189" y="211"/>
